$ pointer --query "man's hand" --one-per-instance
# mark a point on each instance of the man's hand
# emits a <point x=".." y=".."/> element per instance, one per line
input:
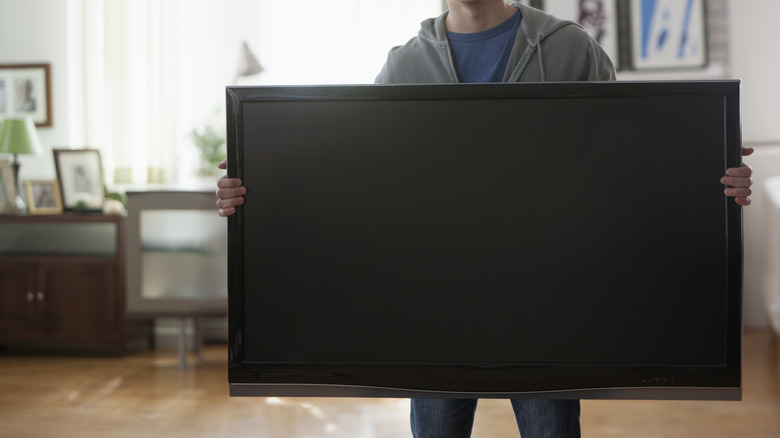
<point x="230" y="193"/>
<point x="738" y="180"/>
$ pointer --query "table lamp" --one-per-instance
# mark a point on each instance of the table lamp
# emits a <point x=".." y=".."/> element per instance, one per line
<point x="18" y="136"/>
<point x="248" y="65"/>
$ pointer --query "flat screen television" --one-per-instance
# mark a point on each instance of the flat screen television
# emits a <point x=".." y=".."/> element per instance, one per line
<point x="559" y="240"/>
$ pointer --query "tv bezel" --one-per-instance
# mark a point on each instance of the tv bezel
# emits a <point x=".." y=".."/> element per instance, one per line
<point x="553" y="381"/>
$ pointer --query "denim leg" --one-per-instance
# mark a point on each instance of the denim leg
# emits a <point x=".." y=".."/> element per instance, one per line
<point x="547" y="418"/>
<point x="442" y="418"/>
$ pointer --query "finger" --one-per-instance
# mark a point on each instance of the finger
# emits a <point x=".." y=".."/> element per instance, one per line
<point x="742" y="171"/>
<point x="229" y="202"/>
<point x="742" y="201"/>
<point x="747" y="151"/>
<point x="736" y="182"/>
<point x="231" y="194"/>
<point x="738" y="192"/>
<point x="227" y="193"/>
<point x="226" y="183"/>
<point x="223" y="164"/>
<point x="225" y="212"/>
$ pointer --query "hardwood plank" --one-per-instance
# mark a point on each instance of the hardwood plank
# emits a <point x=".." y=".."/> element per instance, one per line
<point x="145" y="394"/>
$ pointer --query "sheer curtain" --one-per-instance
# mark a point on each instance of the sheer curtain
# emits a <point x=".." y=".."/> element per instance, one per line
<point x="336" y="41"/>
<point x="153" y="70"/>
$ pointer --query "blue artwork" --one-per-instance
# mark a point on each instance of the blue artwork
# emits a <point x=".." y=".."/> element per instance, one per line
<point x="668" y="33"/>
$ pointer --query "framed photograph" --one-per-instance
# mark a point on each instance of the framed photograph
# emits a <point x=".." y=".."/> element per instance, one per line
<point x="80" y="174"/>
<point x="598" y="17"/>
<point x="43" y="197"/>
<point x="538" y="4"/>
<point x="25" y="91"/>
<point x="7" y="188"/>
<point x="667" y="34"/>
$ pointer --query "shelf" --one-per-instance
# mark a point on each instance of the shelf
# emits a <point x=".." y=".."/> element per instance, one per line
<point x="70" y="234"/>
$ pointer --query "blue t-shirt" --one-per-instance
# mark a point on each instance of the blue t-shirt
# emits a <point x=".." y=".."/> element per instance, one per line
<point x="482" y="56"/>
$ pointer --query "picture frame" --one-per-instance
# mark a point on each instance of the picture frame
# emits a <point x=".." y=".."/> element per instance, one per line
<point x="25" y="91"/>
<point x="598" y="17"/>
<point x="8" y="190"/>
<point x="668" y="34"/>
<point x="538" y="4"/>
<point x="44" y="197"/>
<point x="80" y="177"/>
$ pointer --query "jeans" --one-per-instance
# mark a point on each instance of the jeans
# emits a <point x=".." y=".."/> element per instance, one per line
<point x="454" y="418"/>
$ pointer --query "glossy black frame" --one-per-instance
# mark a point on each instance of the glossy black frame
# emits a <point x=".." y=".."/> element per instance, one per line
<point x="554" y="381"/>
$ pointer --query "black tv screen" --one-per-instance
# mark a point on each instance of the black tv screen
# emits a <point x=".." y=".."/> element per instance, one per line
<point x="560" y="240"/>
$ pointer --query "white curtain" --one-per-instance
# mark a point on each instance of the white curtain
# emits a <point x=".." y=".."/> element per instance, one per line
<point x="335" y="41"/>
<point x="153" y="70"/>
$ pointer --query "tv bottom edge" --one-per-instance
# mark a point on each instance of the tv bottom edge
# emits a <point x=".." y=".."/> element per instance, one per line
<point x="347" y="391"/>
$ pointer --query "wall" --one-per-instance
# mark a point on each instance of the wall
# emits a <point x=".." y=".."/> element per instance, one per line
<point x="753" y="51"/>
<point x="35" y="31"/>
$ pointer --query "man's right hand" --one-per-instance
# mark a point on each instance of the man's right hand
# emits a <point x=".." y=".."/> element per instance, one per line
<point x="230" y="193"/>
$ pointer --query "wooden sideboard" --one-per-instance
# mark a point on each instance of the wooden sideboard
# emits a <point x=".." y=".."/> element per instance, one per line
<point x="62" y="284"/>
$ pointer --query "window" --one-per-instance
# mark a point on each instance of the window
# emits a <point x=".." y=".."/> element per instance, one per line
<point x="154" y="70"/>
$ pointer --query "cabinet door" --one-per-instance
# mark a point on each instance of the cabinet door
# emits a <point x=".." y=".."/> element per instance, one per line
<point x="17" y="299"/>
<point x="79" y="301"/>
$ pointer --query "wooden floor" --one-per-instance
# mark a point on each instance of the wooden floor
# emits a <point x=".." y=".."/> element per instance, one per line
<point x="146" y="395"/>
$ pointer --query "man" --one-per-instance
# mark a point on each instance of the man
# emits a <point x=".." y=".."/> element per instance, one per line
<point x="491" y="41"/>
<point x="494" y="41"/>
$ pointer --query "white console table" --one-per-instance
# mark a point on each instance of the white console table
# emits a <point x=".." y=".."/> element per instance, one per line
<point x="772" y="280"/>
<point x="176" y="257"/>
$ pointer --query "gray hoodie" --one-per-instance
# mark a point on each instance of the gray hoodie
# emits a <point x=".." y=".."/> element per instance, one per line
<point x="545" y="49"/>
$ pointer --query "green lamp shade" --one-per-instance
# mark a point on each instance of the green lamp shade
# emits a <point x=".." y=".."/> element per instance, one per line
<point x="18" y="136"/>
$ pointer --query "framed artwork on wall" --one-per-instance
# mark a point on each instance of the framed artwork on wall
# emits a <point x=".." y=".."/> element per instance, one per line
<point x="25" y="91"/>
<point x="598" y="17"/>
<point x="80" y="176"/>
<point x="668" y="34"/>
<point x="538" y="4"/>
<point x="44" y="197"/>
